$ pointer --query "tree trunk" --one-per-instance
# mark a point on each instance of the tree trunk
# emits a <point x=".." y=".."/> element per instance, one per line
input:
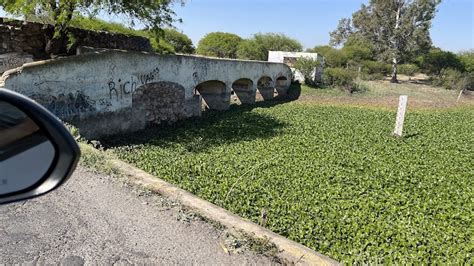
<point x="57" y="35"/>
<point x="394" y="71"/>
<point x="395" y="43"/>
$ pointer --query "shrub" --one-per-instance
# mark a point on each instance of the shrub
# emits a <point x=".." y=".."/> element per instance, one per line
<point x="306" y="66"/>
<point x="467" y="59"/>
<point x="408" y="69"/>
<point x="449" y="78"/>
<point x="340" y="78"/>
<point x="376" y="67"/>
<point x="438" y="60"/>
<point x="466" y="82"/>
<point x="453" y="79"/>
<point x="375" y="76"/>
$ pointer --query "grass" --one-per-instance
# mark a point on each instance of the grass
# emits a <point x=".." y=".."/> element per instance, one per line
<point x="330" y="176"/>
<point x="383" y="94"/>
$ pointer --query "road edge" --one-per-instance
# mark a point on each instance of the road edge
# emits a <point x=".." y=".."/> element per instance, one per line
<point x="290" y="251"/>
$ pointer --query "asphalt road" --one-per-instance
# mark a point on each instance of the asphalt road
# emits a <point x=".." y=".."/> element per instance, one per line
<point x="96" y="219"/>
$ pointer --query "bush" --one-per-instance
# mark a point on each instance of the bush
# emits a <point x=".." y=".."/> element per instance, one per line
<point x="340" y="78"/>
<point x="438" y="60"/>
<point x="408" y="69"/>
<point x="375" y="76"/>
<point x="448" y="78"/>
<point x="453" y="79"/>
<point x="306" y="66"/>
<point x="376" y="67"/>
<point x="467" y="59"/>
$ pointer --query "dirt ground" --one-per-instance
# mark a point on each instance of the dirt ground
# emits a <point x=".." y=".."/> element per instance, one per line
<point x="383" y="94"/>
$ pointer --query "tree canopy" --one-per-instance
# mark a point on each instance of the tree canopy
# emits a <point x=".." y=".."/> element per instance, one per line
<point x="153" y="14"/>
<point x="397" y="29"/>
<point x="181" y="42"/>
<point x="252" y="50"/>
<point x="436" y="60"/>
<point x="219" y="44"/>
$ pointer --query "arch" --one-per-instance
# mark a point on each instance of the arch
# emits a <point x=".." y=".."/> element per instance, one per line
<point x="281" y="85"/>
<point x="244" y="91"/>
<point x="214" y="94"/>
<point x="265" y="88"/>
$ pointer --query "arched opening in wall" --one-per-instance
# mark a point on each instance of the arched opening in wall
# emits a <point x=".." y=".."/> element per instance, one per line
<point x="281" y="86"/>
<point x="157" y="103"/>
<point x="214" y="95"/>
<point x="265" y="88"/>
<point x="243" y="91"/>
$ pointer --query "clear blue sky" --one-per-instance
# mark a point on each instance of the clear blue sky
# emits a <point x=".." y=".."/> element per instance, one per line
<point x="310" y="21"/>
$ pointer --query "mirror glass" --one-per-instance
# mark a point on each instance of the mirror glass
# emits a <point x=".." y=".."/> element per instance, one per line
<point x="26" y="153"/>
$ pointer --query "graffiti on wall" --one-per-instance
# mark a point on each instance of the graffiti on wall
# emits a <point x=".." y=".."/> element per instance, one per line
<point x="67" y="105"/>
<point x="120" y="88"/>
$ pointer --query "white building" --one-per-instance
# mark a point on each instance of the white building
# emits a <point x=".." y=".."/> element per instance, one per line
<point x="290" y="58"/>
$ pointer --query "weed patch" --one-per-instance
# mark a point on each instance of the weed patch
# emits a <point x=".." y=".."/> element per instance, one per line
<point x="331" y="178"/>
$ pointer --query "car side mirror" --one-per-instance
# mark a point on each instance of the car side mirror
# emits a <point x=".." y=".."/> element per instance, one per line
<point x="37" y="152"/>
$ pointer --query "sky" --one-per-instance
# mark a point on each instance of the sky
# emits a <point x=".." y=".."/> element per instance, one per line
<point x="309" y="21"/>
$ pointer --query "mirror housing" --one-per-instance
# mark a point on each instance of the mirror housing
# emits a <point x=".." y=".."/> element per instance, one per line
<point x="59" y="147"/>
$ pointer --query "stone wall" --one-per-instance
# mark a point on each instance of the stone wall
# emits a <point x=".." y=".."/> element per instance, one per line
<point x="27" y="39"/>
<point x="118" y="91"/>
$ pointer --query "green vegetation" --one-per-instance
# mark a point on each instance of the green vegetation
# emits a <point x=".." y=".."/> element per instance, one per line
<point x="219" y="44"/>
<point x="59" y="14"/>
<point x="341" y="78"/>
<point x="330" y="177"/>
<point x="396" y="30"/>
<point x="228" y="45"/>
<point x="257" y="47"/>
<point x="167" y="41"/>
<point x="306" y="66"/>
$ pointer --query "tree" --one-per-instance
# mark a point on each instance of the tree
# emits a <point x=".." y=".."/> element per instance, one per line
<point x="219" y="44"/>
<point x="257" y="47"/>
<point x="307" y="67"/>
<point x="396" y="28"/>
<point x="332" y="57"/>
<point x="181" y="42"/>
<point x="170" y="41"/>
<point x="358" y="49"/>
<point x="252" y="50"/>
<point x="153" y="14"/>
<point x="277" y="42"/>
<point x="436" y="60"/>
<point x="467" y="59"/>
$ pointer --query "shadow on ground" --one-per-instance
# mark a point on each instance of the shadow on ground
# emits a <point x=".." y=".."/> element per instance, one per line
<point x="214" y="128"/>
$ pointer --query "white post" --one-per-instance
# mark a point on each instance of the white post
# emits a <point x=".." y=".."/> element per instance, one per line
<point x="402" y="108"/>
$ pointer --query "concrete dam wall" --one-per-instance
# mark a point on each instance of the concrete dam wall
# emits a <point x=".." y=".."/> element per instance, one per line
<point x="114" y="92"/>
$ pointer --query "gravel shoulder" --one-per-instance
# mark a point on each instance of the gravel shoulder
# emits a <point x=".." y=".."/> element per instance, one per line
<point x="98" y="219"/>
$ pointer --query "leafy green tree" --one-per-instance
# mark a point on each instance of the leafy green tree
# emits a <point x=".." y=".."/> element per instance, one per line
<point x="153" y="14"/>
<point x="257" y="47"/>
<point x="219" y="44"/>
<point x="170" y="41"/>
<point x="332" y="57"/>
<point x="358" y="49"/>
<point x="252" y="50"/>
<point x="181" y="42"/>
<point x="408" y="69"/>
<point x="436" y="60"/>
<point x="277" y="42"/>
<point x="396" y="28"/>
<point x="467" y="59"/>
<point x="307" y="67"/>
